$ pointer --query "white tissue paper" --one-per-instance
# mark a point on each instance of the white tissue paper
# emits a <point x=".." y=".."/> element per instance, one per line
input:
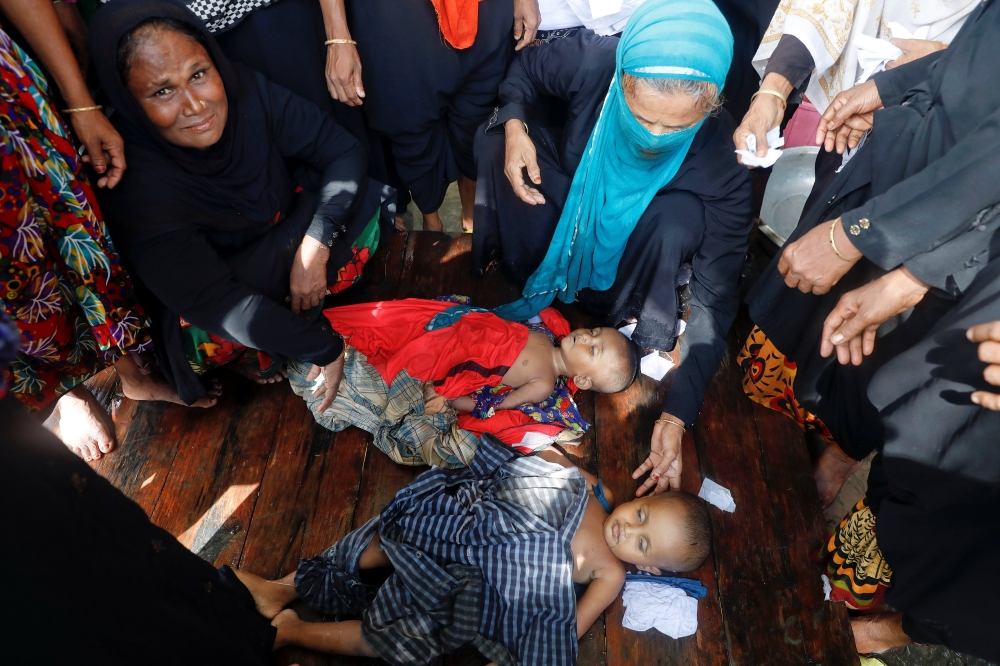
<point x="899" y="31"/>
<point x="827" y="588"/>
<point x="716" y="495"/>
<point x="667" y="609"/>
<point x="628" y="330"/>
<point x="655" y="366"/>
<point x="873" y="54"/>
<point x="774" y="142"/>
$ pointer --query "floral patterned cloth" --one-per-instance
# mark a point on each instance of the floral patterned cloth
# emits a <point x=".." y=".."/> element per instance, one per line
<point x="859" y="575"/>
<point x="769" y="378"/>
<point x="61" y="280"/>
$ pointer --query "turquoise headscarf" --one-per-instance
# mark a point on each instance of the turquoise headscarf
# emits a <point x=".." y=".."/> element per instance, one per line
<point x="624" y="164"/>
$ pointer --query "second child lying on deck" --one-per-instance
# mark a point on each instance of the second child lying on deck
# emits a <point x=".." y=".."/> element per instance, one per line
<point x="488" y="556"/>
<point x="406" y="384"/>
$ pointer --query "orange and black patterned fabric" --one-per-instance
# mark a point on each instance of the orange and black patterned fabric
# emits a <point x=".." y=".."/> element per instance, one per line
<point x="859" y="575"/>
<point x="769" y="377"/>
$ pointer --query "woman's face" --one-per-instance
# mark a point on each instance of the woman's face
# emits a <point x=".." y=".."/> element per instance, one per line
<point x="177" y="85"/>
<point x="663" y="113"/>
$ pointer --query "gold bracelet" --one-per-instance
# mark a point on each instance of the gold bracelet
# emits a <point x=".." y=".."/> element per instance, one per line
<point x="833" y="243"/>
<point x="340" y="41"/>
<point x="315" y="243"/>
<point x="784" y="102"/>
<point x="97" y="107"/>
<point x="672" y="422"/>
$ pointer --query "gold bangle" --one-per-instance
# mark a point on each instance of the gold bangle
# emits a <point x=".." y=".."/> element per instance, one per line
<point x="97" y="107"/>
<point x="340" y="41"/>
<point x="784" y="102"/>
<point x="672" y="422"/>
<point x="833" y="242"/>
<point x="315" y="243"/>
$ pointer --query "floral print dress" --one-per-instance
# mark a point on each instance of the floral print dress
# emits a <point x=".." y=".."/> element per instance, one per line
<point x="61" y="280"/>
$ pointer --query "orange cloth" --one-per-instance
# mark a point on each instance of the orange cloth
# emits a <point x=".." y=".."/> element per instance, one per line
<point x="458" y="20"/>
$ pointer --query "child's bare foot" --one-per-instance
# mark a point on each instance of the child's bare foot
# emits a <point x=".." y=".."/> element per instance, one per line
<point x="137" y="385"/>
<point x="285" y="622"/>
<point x="84" y="425"/>
<point x="269" y="596"/>
<point x="432" y="222"/>
<point x="879" y="633"/>
<point x="832" y="470"/>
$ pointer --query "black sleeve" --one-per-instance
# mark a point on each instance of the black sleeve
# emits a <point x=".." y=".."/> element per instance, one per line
<point x="894" y="83"/>
<point x="303" y="131"/>
<point x="562" y="68"/>
<point x="715" y="295"/>
<point x="190" y="278"/>
<point x="792" y="60"/>
<point x="934" y="206"/>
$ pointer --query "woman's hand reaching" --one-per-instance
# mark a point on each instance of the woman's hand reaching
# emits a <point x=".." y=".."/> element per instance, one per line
<point x="988" y="337"/>
<point x="343" y="74"/>
<point x="810" y="264"/>
<point x="527" y="18"/>
<point x="913" y="49"/>
<point x="848" y="117"/>
<point x="327" y="388"/>
<point x="664" y="457"/>
<point x="308" y="279"/>
<point x="851" y="327"/>
<point x="521" y="155"/>
<point x="766" y="112"/>
<point x="105" y="146"/>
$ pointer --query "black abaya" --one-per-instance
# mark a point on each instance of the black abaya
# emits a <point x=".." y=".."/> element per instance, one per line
<point x="425" y="97"/>
<point x="914" y="195"/>
<point x="701" y="217"/>
<point x="87" y="579"/>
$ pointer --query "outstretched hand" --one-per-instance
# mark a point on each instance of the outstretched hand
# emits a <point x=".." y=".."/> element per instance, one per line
<point x="329" y="385"/>
<point x="520" y="155"/>
<point x="105" y="146"/>
<point x="664" y="457"/>
<point x="848" y="117"/>
<point x="527" y="18"/>
<point x="988" y="337"/>
<point x="851" y="327"/>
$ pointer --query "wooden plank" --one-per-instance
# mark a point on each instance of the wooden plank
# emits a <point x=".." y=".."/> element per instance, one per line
<point x="437" y="264"/>
<point x="624" y="427"/>
<point x="212" y="487"/>
<point x="761" y="609"/>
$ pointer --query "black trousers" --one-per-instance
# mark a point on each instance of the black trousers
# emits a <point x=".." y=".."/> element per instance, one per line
<point x="425" y="97"/>
<point x="518" y="234"/>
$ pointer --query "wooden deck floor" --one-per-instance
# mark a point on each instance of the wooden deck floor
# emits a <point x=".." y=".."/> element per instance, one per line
<point x="256" y="484"/>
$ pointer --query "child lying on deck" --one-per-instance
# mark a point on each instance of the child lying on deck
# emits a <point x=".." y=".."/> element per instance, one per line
<point x="487" y="555"/>
<point x="404" y="383"/>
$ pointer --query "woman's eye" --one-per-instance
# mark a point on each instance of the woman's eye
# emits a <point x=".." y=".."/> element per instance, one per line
<point x="162" y="92"/>
<point x="198" y="75"/>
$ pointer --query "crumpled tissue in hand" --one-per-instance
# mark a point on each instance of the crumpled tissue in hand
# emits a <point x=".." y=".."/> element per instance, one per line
<point x="667" y="609"/>
<point x="717" y="495"/>
<point x="774" y="142"/>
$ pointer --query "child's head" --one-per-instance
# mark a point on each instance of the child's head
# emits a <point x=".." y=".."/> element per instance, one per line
<point x="666" y="532"/>
<point x="600" y="359"/>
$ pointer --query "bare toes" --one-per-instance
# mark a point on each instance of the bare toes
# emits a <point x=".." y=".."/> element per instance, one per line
<point x="205" y="403"/>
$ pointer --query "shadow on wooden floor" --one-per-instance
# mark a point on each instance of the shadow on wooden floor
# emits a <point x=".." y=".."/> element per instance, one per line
<point x="256" y="484"/>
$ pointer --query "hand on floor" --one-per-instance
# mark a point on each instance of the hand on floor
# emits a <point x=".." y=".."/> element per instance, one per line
<point x="664" y="457"/>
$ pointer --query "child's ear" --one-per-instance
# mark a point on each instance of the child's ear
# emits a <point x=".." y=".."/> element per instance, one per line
<point x="648" y="569"/>
<point x="583" y="382"/>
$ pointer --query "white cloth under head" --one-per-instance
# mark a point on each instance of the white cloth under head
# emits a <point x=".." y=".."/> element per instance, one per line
<point x="667" y="609"/>
<point x="830" y="30"/>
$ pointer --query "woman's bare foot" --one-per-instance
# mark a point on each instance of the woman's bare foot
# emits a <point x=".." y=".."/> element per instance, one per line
<point x="432" y="222"/>
<point x="879" y="633"/>
<point x="270" y="596"/>
<point x="137" y="385"/>
<point x="467" y="194"/>
<point x="832" y="470"/>
<point x="400" y="223"/>
<point x="84" y="425"/>
<point x="251" y="370"/>
<point x="285" y="622"/>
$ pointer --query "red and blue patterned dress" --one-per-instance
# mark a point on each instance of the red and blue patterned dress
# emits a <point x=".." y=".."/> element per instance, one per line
<point x="61" y="280"/>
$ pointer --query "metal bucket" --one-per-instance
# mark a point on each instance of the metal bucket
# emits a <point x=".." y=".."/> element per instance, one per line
<point x="791" y="181"/>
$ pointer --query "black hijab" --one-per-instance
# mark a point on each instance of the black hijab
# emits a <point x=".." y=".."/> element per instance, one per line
<point x="166" y="184"/>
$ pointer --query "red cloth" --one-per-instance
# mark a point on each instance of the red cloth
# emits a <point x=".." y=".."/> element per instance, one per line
<point x="474" y="352"/>
<point x="458" y="20"/>
<point x="508" y="425"/>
